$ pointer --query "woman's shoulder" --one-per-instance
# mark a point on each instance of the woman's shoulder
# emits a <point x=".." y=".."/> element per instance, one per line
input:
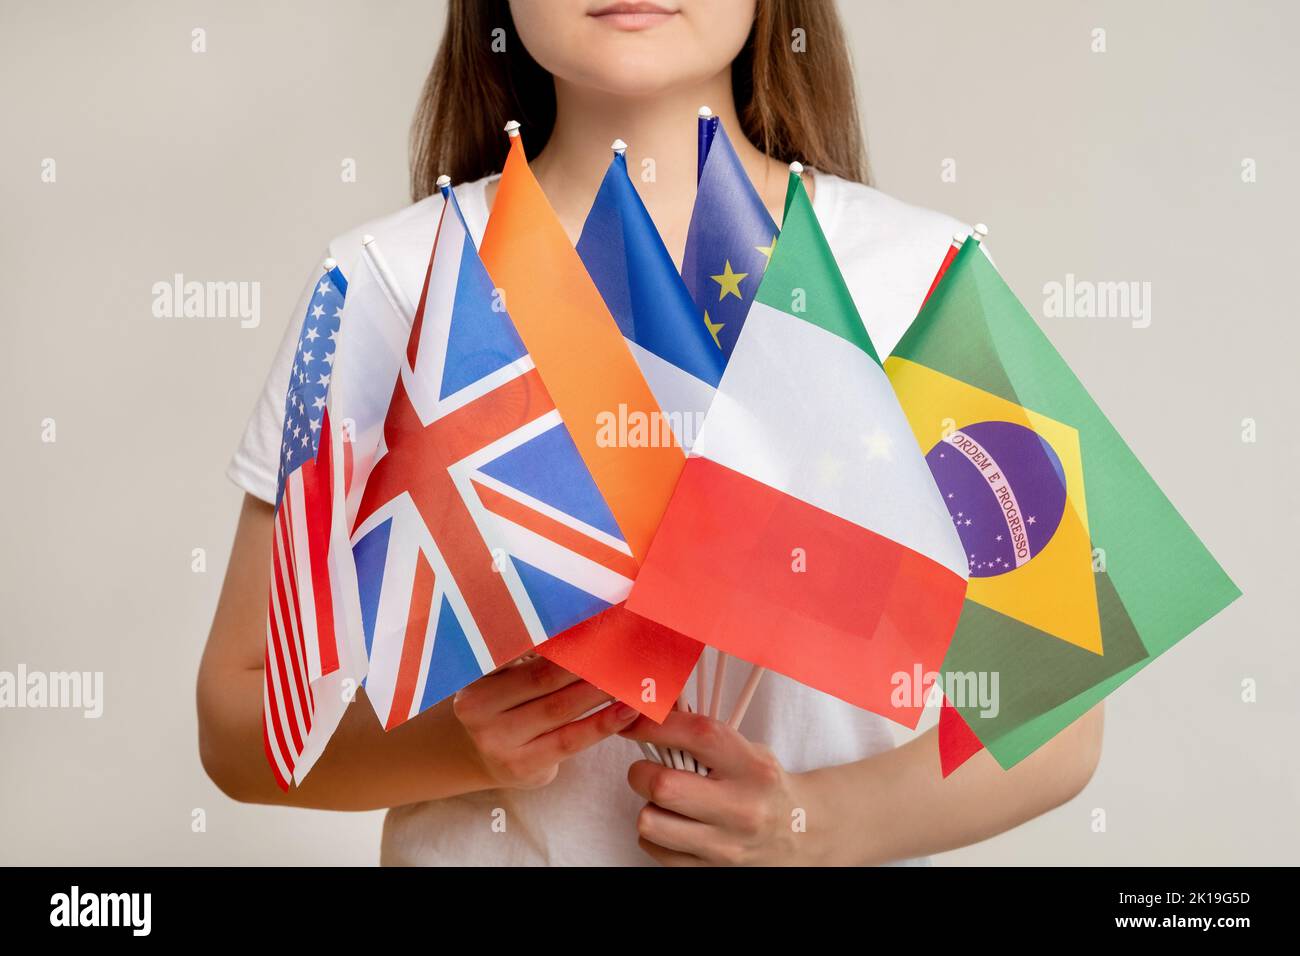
<point x="887" y="249"/>
<point x="855" y="214"/>
<point x="403" y="237"/>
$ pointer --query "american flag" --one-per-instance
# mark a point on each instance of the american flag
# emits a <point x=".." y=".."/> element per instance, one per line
<point x="480" y="532"/>
<point x="301" y="643"/>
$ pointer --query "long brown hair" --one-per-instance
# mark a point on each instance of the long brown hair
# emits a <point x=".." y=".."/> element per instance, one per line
<point x="783" y="96"/>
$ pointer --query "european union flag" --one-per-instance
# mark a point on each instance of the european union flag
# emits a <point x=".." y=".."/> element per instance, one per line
<point x="730" y="239"/>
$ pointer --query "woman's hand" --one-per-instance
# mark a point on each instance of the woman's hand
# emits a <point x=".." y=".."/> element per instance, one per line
<point x="523" y="721"/>
<point x="747" y="812"/>
<point x="750" y="810"/>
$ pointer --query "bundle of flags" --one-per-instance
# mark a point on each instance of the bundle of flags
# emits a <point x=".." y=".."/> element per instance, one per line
<point x="586" y="453"/>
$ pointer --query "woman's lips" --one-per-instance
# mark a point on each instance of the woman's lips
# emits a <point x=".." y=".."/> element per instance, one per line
<point x="632" y="16"/>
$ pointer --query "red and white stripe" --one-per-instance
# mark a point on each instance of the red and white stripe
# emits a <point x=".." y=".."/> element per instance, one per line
<point x="302" y="646"/>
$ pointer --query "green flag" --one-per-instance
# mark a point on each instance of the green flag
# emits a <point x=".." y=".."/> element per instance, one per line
<point x="1081" y="571"/>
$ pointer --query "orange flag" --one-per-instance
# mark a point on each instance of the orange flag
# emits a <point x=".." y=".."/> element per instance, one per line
<point x="596" y="385"/>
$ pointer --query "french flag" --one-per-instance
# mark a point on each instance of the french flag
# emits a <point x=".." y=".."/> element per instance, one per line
<point x="632" y="269"/>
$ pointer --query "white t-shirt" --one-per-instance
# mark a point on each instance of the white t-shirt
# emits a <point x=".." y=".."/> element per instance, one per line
<point x="889" y="252"/>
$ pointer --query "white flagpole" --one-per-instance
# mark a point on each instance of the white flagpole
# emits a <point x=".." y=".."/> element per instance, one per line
<point x="688" y="761"/>
<point x="701" y="678"/>
<point x="392" y="288"/>
<point x="746" y="696"/>
<point x="719" y="672"/>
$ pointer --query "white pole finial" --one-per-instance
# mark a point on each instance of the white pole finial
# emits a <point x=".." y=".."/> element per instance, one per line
<point x="958" y="238"/>
<point x="618" y="146"/>
<point x="512" y="129"/>
<point x="387" y="280"/>
<point x="705" y="112"/>
<point x="797" y="168"/>
<point x="329" y="264"/>
<point x="443" y="181"/>
<point x="981" y="232"/>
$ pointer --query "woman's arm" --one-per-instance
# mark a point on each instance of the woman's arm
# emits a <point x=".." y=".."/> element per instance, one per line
<point x="885" y="808"/>
<point x="906" y="808"/>
<point x="509" y="729"/>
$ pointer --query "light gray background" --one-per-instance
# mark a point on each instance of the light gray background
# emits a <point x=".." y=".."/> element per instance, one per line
<point x="1123" y="165"/>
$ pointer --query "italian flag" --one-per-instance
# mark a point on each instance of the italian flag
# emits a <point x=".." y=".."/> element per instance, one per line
<point x="806" y="534"/>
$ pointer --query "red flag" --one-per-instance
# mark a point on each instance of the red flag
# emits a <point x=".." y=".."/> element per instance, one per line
<point x="957" y="742"/>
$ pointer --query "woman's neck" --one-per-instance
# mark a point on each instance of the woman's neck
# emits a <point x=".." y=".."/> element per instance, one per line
<point x="661" y="154"/>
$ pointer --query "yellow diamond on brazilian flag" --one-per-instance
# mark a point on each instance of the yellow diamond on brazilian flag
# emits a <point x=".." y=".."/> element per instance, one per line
<point x="1013" y="482"/>
<point x="1038" y="480"/>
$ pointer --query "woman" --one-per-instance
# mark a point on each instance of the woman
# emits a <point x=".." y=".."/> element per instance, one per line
<point x="580" y="73"/>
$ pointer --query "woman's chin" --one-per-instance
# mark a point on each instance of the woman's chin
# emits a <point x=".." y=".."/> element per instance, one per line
<point x="636" y="76"/>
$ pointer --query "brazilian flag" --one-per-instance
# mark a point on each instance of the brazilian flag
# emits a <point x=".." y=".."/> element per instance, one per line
<point x="1081" y="571"/>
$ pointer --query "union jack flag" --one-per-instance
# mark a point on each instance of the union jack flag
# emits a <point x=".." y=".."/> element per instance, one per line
<point x="480" y="532"/>
<point x="301" y="644"/>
